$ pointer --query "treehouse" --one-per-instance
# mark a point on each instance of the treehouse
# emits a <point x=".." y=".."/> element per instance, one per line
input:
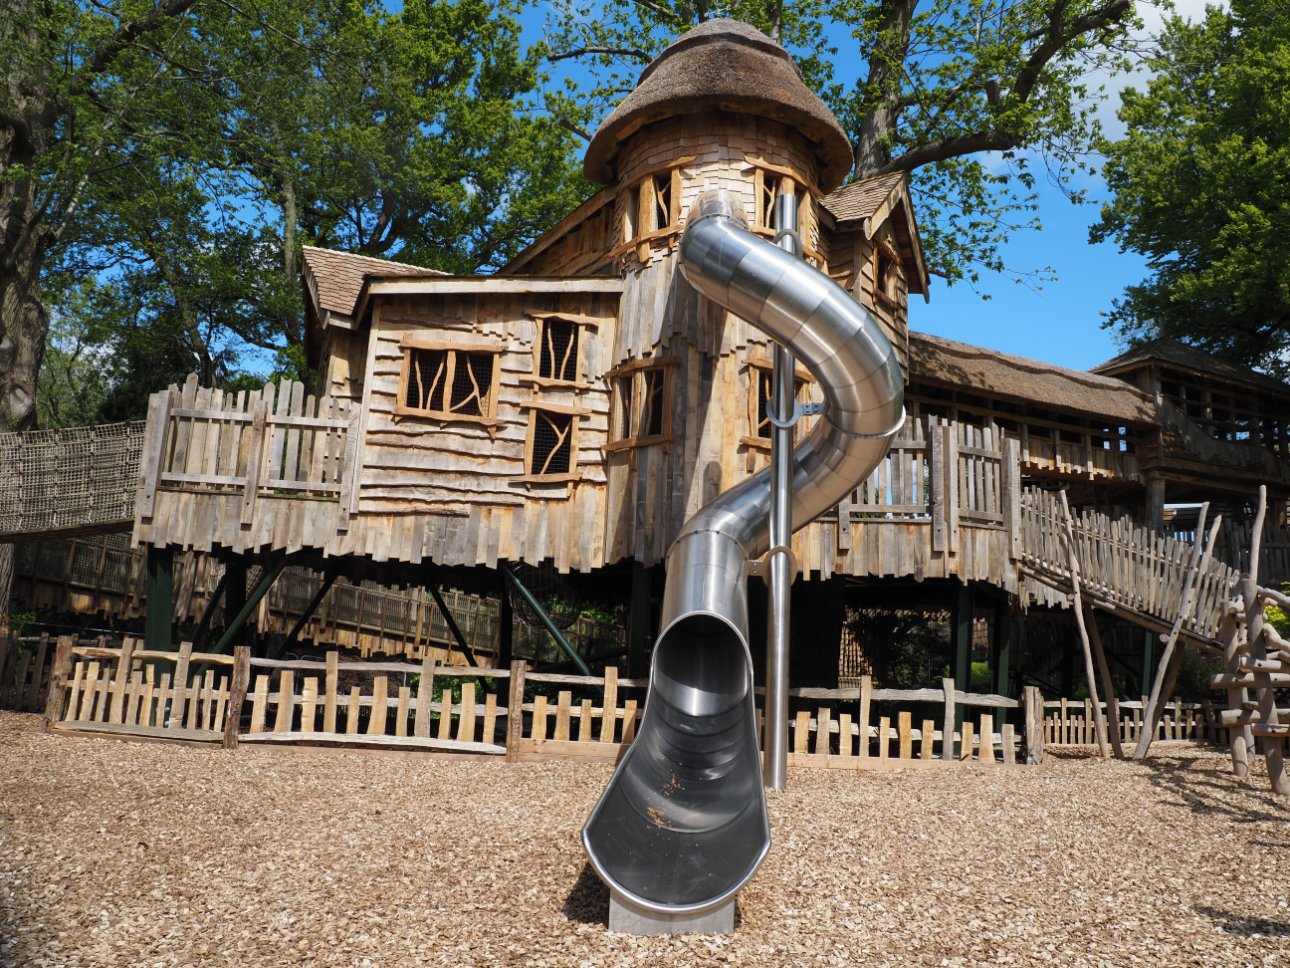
<point x="573" y="410"/>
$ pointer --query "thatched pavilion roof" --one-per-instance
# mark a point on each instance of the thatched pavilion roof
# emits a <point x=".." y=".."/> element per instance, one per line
<point x="728" y="66"/>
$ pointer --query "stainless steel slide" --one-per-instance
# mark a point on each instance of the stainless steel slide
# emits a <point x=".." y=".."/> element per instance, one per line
<point x="683" y="824"/>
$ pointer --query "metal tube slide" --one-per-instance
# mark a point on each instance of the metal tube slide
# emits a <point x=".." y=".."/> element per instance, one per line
<point x="682" y="825"/>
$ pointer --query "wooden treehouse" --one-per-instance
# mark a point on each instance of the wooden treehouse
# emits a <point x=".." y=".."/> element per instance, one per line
<point x="574" y="409"/>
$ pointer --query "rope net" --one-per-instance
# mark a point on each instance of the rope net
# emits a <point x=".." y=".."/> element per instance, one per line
<point x="63" y="481"/>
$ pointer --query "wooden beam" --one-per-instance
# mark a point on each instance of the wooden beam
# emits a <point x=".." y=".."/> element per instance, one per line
<point x="1068" y="534"/>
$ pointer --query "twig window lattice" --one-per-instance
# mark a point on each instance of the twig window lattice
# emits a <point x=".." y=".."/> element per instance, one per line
<point x="552" y="451"/>
<point x="640" y="405"/>
<point x="448" y="383"/>
<point x="558" y="353"/>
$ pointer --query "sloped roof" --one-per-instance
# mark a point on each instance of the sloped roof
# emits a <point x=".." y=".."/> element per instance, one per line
<point x="1178" y="354"/>
<point x="965" y="366"/>
<point x="868" y="203"/>
<point x="862" y="199"/>
<point x="334" y="279"/>
<point x="728" y="66"/>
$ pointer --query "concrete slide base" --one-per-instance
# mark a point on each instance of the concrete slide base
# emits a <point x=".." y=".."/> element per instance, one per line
<point x="628" y="919"/>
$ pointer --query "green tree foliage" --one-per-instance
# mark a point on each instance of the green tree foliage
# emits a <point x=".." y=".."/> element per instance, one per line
<point x="1201" y="187"/>
<point x="178" y="154"/>
<point x="965" y="95"/>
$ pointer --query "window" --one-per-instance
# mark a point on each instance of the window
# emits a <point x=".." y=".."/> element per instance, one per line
<point x="551" y="437"/>
<point x="640" y="403"/>
<point x="886" y="276"/>
<point x="448" y="382"/>
<point x="557" y="356"/>
<point x="761" y="390"/>
<point x="653" y="208"/>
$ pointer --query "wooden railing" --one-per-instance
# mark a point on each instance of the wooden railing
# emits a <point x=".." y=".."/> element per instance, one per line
<point x="942" y="473"/>
<point x="192" y="696"/>
<point x="257" y="444"/>
<point x="26" y="669"/>
<point x="184" y="695"/>
<point x="1123" y="564"/>
<point x="1070" y="722"/>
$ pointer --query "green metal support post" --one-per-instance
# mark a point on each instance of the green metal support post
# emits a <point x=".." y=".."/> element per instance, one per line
<point x="452" y="626"/>
<point x="158" y="623"/>
<point x="235" y="626"/>
<point x="551" y="627"/>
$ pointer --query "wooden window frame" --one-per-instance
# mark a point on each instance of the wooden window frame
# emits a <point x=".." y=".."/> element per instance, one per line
<point x="885" y="257"/>
<point x="806" y="194"/>
<point x="635" y="371"/>
<point x="579" y="322"/>
<point x="757" y="371"/>
<point x="409" y="345"/>
<point x="564" y="477"/>
<point x="639" y="224"/>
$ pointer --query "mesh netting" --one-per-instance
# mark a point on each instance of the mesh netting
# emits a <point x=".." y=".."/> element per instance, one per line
<point x="65" y="480"/>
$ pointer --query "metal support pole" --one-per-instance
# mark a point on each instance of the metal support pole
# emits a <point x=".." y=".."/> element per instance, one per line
<point x="545" y="619"/>
<point x="159" y="599"/>
<point x="252" y="600"/>
<point x="312" y="607"/>
<point x="452" y="626"/>
<point x="780" y="579"/>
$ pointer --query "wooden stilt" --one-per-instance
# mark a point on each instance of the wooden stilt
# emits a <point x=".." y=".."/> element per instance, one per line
<point x="1096" y="706"/>
<point x="1108" y="685"/>
<point x="1273" y="738"/>
<point x="1151" y="715"/>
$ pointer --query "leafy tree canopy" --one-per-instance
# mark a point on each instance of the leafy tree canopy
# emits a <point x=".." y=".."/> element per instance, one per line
<point x="962" y="94"/>
<point x="1201" y="187"/>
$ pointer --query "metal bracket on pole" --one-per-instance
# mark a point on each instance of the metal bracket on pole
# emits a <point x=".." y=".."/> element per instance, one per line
<point x="760" y="568"/>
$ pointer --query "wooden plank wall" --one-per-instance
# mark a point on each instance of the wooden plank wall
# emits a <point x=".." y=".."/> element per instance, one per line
<point x="1069" y="722"/>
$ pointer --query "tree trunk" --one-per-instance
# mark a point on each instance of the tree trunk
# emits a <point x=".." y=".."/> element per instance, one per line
<point x="886" y="67"/>
<point x="23" y="325"/>
<point x="6" y="584"/>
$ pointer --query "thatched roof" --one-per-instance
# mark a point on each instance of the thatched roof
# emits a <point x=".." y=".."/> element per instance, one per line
<point x="728" y="66"/>
<point x="333" y="280"/>
<point x="1183" y="357"/>
<point x="960" y="365"/>
<point x="868" y="203"/>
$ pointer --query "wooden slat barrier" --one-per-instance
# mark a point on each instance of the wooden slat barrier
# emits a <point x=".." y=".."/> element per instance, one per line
<point x="321" y="702"/>
<point x="25" y="672"/>
<point x="181" y="695"/>
<point x="1069" y="722"/>
<point x="1123" y="566"/>
<point x="840" y="735"/>
<point x="393" y="704"/>
<point x="271" y="441"/>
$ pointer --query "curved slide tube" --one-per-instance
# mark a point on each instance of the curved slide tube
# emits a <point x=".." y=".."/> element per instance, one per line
<point x="682" y="825"/>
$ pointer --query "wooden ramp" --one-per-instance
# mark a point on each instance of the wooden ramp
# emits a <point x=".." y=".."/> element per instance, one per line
<point x="1126" y="569"/>
<point x="80" y="480"/>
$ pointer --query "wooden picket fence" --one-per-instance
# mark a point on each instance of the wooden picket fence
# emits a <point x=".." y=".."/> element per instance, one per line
<point x="26" y="668"/>
<point x="1070" y="722"/>
<point x="201" y="697"/>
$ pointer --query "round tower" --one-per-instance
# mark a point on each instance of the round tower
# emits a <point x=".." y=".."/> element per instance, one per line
<point x="722" y="107"/>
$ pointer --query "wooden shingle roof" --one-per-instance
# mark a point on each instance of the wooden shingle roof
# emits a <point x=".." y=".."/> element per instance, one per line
<point x="335" y="279"/>
<point x="966" y="367"/>
<point x="723" y="65"/>
<point x="870" y="202"/>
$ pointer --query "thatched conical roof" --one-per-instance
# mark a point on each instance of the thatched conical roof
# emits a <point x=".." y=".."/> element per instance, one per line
<point x="723" y="65"/>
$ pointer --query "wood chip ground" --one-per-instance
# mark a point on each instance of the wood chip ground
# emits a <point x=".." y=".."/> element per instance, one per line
<point x="115" y="853"/>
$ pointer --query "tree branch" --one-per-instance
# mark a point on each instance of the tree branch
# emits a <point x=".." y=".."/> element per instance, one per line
<point x="611" y="51"/>
<point x="125" y="34"/>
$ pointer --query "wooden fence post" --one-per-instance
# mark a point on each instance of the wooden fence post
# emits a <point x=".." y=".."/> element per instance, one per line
<point x="947" y="721"/>
<point x="515" y="711"/>
<point x="1032" y="702"/>
<point x="58" y="680"/>
<point x="237" y="694"/>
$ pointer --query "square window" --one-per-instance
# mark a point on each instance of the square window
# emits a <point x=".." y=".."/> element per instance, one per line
<point x="640" y="405"/>
<point x="443" y="382"/>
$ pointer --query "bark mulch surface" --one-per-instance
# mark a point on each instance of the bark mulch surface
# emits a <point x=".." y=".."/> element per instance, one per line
<point x="115" y="853"/>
